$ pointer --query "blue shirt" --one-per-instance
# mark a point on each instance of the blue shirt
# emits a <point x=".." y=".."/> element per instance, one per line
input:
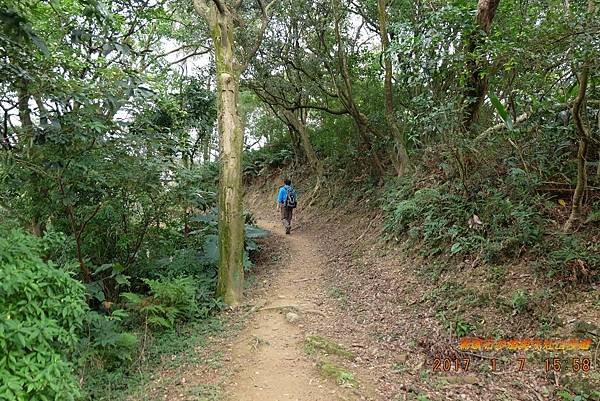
<point x="283" y="193"/>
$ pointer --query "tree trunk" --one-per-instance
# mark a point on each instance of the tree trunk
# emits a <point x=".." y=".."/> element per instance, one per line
<point x="583" y="131"/>
<point x="401" y="153"/>
<point x="477" y="83"/>
<point x="584" y="140"/>
<point x="24" y="112"/>
<point x="296" y="144"/>
<point x="307" y="147"/>
<point x="37" y="227"/>
<point x="363" y="127"/>
<point x="345" y="92"/>
<point x="231" y="142"/>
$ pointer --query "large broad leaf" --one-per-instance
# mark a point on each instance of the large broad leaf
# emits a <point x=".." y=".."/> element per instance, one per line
<point x="251" y="245"/>
<point x="94" y="290"/>
<point x="210" y="219"/>
<point x="255" y="232"/>
<point x="210" y="248"/>
<point x="502" y="112"/>
<point x="247" y="262"/>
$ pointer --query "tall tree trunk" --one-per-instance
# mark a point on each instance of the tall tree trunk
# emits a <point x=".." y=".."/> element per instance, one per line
<point x="477" y="83"/>
<point x="583" y="131"/>
<point x="584" y="140"/>
<point x="307" y="147"/>
<point x="364" y="129"/>
<point x="220" y="19"/>
<point x="231" y="142"/>
<point x="402" y="155"/>
<point x="37" y="226"/>
<point x="296" y="144"/>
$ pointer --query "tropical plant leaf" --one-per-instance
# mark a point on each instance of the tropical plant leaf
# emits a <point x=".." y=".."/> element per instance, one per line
<point x="211" y="249"/>
<point x="255" y="232"/>
<point x="502" y="112"/>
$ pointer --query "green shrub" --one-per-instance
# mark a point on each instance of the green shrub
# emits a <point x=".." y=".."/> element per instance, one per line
<point x="170" y="300"/>
<point x="572" y="259"/>
<point x="275" y="155"/>
<point x="106" y="345"/>
<point x="519" y="301"/>
<point x="489" y="222"/>
<point x="41" y="308"/>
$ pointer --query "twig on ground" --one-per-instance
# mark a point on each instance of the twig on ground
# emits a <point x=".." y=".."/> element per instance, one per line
<point x="295" y="307"/>
<point x="304" y="279"/>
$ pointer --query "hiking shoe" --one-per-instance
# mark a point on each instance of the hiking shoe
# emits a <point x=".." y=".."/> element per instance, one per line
<point x="287" y="230"/>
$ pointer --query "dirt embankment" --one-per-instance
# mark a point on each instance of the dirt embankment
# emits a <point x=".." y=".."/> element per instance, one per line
<point x="381" y="302"/>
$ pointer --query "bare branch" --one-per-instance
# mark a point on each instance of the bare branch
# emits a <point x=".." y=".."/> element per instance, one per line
<point x="189" y="56"/>
<point x="325" y="109"/>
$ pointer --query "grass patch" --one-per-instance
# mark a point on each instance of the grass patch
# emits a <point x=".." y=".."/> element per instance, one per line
<point x="338" y="294"/>
<point x="342" y="376"/>
<point x="207" y="393"/>
<point x="312" y="344"/>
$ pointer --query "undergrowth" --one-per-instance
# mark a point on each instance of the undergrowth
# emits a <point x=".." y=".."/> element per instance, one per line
<point x="166" y="349"/>
<point x="497" y="226"/>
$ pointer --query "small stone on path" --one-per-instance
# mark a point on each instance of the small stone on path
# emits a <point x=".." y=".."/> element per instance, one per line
<point x="292" y="317"/>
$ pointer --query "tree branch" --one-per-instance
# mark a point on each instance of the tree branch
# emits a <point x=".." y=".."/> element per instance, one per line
<point x="201" y="7"/>
<point x="261" y="34"/>
<point x="220" y="6"/>
<point x="189" y="56"/>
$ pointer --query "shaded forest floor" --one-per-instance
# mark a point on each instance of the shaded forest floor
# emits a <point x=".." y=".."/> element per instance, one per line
<point x="333" y="313"/>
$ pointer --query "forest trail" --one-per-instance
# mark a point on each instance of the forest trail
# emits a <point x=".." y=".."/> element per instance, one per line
<point x="269" y="362"/>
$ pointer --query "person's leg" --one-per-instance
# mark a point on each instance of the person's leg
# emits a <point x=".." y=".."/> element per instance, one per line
<point x="288" y="219"/>
<point x="284" y="219"/>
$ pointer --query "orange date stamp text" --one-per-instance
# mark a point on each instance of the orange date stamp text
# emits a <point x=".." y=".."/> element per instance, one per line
<point x="523" y="344"/>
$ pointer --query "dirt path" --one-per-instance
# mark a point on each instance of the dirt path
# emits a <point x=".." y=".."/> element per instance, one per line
<point x="268" y="358"/>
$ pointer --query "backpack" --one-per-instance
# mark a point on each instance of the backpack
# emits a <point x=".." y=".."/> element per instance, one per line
<point x="290" y="198"/>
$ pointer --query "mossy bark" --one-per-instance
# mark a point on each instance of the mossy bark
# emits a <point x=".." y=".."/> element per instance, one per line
<point x="231" y="142"/>
<point x="584" y="140"/>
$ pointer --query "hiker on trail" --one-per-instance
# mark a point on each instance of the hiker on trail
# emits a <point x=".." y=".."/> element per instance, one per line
<point x="286" y="202"/>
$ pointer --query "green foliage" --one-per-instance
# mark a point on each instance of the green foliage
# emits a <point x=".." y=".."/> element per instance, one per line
<point x="42" y="308"/>
<point x="169" y="300"/>
<point x="502" y="112"/>
<point x="571" y="258"/>
<point x="490" y="223"/>
<point x="519" y="301"/>
<point x="462" y="328"/>
<point x="162" y="350"/>
<point x="567" y="396"/>
<point x="342" y="376"/>
<point x="106" y="345"/>
<point x="312" y="344"/>
<point x="276" y="155"/>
